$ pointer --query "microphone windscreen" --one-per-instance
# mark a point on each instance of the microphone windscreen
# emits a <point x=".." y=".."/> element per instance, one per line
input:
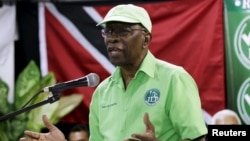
<point x="93" y="79"/>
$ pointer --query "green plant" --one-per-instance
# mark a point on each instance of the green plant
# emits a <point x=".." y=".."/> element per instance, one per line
<point x="28" y="83"/>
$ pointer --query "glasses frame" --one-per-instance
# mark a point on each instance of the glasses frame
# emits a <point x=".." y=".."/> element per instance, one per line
<point x="109" y="33"/>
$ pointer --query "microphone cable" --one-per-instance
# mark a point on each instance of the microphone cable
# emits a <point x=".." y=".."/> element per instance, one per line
<point x="32" y="98"/>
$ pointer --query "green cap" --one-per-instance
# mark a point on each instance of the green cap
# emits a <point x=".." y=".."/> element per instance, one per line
<point x="128" y="13"/>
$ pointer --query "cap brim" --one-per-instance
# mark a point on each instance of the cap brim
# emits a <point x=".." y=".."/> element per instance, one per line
<point x="118" y="19"/>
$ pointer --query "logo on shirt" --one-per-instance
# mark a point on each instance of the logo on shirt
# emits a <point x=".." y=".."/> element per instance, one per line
<point x="152" y="96"/>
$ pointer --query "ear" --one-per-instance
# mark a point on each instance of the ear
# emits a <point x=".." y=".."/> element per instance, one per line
<point x="147" y="39"/>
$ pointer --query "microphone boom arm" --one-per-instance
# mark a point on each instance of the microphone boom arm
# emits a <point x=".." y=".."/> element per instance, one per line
<point x="51" y="99"/>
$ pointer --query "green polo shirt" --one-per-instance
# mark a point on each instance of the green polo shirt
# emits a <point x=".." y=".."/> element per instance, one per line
<point x="166" y="91"/>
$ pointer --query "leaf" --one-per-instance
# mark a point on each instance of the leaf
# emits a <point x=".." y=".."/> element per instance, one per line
<point x="48" y="80"/>
<point x="35" y="115"/>
<point x="66" y="105"/>
<point x="17" y="126"/>
<point x="27" y="80"/>
<point x="35" y="122"/>
<point x="4" y="104"/>
<point x="28" y="85"/>
<point x="4" y="126"/>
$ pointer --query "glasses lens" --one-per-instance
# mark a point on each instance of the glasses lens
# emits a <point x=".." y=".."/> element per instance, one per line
<point x="103" y="33"/>
<point x="118" y="31"/>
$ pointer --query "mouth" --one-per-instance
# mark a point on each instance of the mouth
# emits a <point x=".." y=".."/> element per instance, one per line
<point x="114" y="50"/>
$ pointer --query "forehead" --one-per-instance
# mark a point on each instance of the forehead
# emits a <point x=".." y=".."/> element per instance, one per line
<point x="78" y="136"/>
<point x="229" y="119"/>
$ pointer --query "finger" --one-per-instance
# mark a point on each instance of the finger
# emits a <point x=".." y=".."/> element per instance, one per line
<point x="32" y="134"/>
<point x="26" y="139"/>
<point x="137" y="137"/>
<point x="132" y="139"/>
<point x="148" y="124"/>
<point x="23" y="139"/>
<point x="47" y="123"/>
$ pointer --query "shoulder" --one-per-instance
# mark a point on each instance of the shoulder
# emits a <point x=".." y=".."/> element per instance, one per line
<point x="171" y="70"/>
<point x="104" y="83"/>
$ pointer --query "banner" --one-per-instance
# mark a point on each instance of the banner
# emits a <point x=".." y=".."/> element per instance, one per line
<point x="237" y="36"/>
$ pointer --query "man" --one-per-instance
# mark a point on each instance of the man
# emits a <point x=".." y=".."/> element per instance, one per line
<point x="226" y="117"/>
<point x="145" y="98"/>
<point x="79" y="132"/>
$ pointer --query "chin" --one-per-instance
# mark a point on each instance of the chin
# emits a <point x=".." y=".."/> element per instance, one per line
<point x="115" y="63"/>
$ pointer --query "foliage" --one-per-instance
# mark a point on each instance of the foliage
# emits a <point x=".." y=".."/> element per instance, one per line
<point x="29" y="82"/>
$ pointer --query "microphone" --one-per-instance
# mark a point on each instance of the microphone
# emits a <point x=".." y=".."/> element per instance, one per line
<point x="91" y="80"/>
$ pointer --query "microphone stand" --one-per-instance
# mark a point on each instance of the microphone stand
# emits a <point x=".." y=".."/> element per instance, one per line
<point x="51" y="99"/>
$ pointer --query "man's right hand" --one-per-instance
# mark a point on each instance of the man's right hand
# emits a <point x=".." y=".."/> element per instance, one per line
<point x="54" y="133"/>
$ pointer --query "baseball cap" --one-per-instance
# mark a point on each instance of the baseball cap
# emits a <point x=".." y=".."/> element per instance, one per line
<point x="128" y="13"/>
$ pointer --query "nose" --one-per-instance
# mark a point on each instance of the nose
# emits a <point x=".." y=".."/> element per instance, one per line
<point x="112" y="38"/>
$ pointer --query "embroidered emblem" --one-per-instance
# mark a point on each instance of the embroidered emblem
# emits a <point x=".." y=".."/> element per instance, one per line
<point x="152" y="96"/>
<point x="110" y="105"/>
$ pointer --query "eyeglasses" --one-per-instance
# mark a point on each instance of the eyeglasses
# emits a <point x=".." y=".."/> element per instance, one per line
<point x="120" y="32"/>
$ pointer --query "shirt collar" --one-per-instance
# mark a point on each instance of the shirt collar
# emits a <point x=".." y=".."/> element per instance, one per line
<point x="147" y="66"/>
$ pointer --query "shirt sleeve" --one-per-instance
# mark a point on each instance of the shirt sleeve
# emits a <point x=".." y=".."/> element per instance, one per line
<point x="185" y="107"/>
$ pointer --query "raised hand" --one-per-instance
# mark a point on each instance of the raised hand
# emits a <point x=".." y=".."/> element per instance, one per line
<point x="54" y="133"/>
<point x="148" y="135"/>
